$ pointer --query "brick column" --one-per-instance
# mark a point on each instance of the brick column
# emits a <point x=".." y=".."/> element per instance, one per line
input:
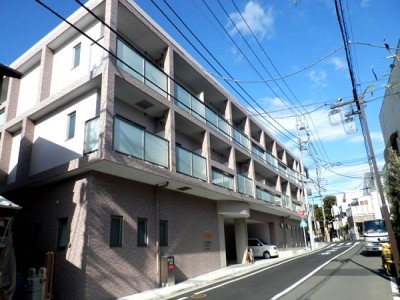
<point x="25" y="150"/>
<point x="45" y="73"/>
<point x="107" y="93"/>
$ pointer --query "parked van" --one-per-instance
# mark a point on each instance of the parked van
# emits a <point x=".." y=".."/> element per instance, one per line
<point x="261" y="248"/>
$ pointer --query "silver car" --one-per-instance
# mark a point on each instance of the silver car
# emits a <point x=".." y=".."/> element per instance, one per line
<point x="261" y="248"/>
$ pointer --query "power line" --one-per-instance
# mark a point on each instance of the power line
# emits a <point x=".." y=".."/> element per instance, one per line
<point x="282" y="76"/>
<point x="223" y="68"/>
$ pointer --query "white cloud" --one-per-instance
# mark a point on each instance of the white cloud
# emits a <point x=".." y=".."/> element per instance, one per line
<point x="318" y="78"/>
<point x="376" y="136"/>
<point x="318" y="123"/>
<point x="348" y="164"/>
<point x="260" y="21"/>
<point x="338" y="62"/>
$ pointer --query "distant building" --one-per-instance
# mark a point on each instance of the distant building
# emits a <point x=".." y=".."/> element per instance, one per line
<point x="352" y="208"/>
<point x="120" y="162"/>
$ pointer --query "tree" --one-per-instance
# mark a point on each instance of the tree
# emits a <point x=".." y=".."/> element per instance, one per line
<point x="392" y="189"/>
<point x="328" y="201"/>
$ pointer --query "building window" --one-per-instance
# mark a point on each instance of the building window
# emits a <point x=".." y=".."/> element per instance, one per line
<point x="116" y="231"/>
<point x="71" y="125"/>
<point x="62" y="240"/>
<point x="163" y="233"/>
<point x="142" y="232"/>
<point x="76" y="55"/>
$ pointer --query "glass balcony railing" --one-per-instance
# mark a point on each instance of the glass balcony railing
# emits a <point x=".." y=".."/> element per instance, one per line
<point x="191" y="164"/>
<point x="241" y="139"/>
<point x="96" y="55"/>
<point x="244" y="185"/>
<point x="257" y="151"/>
<point x="91" y="139"/>
<point x="221" y="179"/>
<point x="282" y="169"/>
<point x="137" y="66"/>
<point x="286" y="201"/>
<point x="271" y="160"/>
<point x="267" y="196"/>
<point x="135" y="141"/>
<point x="195" y="107"/>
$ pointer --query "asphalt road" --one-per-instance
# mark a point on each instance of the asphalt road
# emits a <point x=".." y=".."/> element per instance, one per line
<point x="340" y="271"/>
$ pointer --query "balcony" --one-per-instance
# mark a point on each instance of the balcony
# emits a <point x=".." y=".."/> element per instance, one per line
<point x="191" y="164"/>
<point x="138" y="67"/>
<point x="91" y="139"/>
<point x="267" y="196"/>
<point x="200" y="111"/>
<point x="245" y="185"/>
<point x="134" y="141"/>
<point x="222" y="179"/>
<point x="241" y="139"/>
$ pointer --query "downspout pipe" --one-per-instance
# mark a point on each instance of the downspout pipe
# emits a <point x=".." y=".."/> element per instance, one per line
<point x="157" y="207"/>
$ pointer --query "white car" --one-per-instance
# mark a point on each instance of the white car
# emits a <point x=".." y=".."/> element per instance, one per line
<point x="261" y="248"/>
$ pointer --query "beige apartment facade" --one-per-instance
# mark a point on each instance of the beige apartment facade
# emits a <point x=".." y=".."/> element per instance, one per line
<point x="122" y="150"/>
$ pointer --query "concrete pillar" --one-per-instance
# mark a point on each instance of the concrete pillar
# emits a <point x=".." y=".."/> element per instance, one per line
<point x="221" y="232"/>
<point x="241" y="238"/>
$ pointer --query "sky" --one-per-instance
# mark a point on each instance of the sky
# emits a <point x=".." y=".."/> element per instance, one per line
<point x="283" y="60"/>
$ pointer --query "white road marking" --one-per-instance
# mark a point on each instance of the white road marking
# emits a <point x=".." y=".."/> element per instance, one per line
<point x="309" y="275"/>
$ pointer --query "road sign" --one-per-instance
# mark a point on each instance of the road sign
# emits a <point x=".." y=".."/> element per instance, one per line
<point x="301" y="213"/>
<point x="303" y="223"/>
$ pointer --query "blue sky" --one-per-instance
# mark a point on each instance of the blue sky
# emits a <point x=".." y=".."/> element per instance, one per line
<point x="287" y="55"/>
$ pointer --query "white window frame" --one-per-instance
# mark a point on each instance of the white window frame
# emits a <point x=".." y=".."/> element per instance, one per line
<point x="76" y="57"/>
<point x="71" y="126"/>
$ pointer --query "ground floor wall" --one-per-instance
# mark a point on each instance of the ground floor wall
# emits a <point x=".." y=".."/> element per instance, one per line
<point x="88" y="266"/>
<point x="280" y="231"/>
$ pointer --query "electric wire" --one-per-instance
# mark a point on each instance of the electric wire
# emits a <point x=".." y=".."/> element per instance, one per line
<point x="87" y="36"/>
<point x="94" y="41"/>
<point x="83" y="33"/>
<point x="318" y="139"/>
<point x="223" y="68"/>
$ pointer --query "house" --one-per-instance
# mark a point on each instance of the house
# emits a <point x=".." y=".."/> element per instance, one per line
<point x="122" y="150"/>
<point x="354" y="207"/>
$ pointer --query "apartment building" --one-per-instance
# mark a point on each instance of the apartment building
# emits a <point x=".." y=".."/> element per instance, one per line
<point x="121" y="150"/>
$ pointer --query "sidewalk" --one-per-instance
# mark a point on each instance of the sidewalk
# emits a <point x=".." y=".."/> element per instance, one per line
<point x="218" y="275"/>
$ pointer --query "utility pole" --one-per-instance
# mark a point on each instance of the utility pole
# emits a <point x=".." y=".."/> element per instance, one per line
<point x="363" y="120"/>
<point x="301" y="126"/>
<point x="375" y="172"/>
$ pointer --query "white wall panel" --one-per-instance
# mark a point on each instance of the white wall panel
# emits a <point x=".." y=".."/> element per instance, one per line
<point x="50" y="147"/>
<point x="12" y="169"/>
<point x="63" y="72"/>
<point x="29" y="89"/>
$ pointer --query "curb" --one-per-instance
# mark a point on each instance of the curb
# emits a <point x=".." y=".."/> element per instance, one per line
<point x="217" y="276"/>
